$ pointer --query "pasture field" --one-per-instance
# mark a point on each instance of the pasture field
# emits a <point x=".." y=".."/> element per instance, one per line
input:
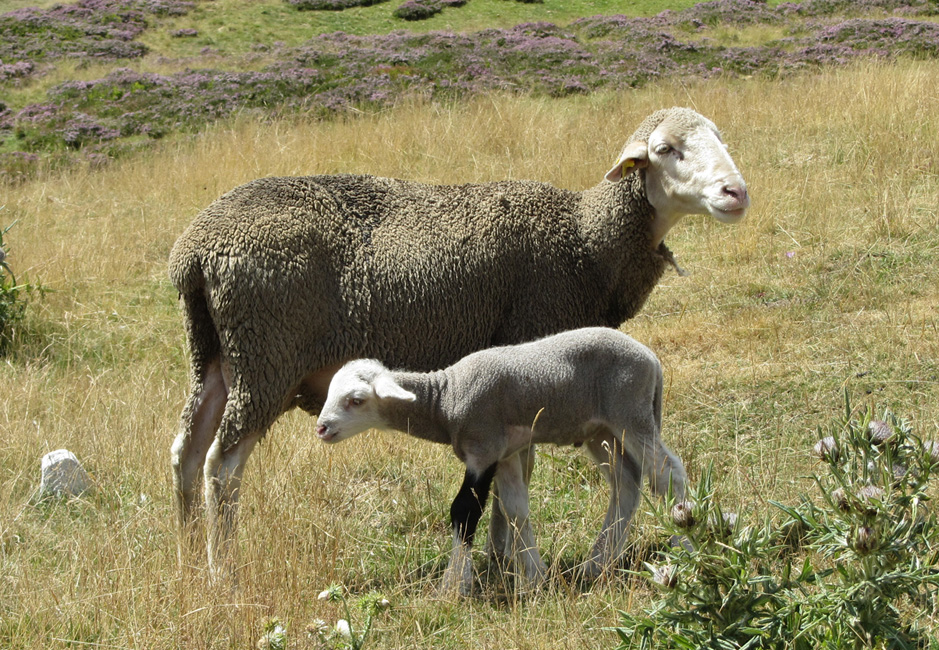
<point x="829" y="286"/>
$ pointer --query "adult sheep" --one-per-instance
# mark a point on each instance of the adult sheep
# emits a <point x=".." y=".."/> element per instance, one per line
<point x="285" y="279"/>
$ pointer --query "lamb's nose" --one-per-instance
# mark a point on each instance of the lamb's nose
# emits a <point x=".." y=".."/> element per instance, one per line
<point x="321" y="430"/>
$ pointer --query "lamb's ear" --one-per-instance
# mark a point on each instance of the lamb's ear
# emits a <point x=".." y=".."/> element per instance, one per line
<point x="635" y="156"/>
<point x="386" y="387"/>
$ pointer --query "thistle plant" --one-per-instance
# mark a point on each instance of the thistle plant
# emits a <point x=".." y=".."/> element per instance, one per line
<point x="345" y="634"/>
<point x="13" y="297"/>
<point x="852" y="568"/>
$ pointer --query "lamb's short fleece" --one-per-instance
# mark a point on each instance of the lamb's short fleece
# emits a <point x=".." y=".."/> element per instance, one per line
<point x="595" y="387"/>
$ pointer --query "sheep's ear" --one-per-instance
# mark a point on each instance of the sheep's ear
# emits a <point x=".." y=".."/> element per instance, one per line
<point x="635" y="156"/>
<point x="387" y="388"/>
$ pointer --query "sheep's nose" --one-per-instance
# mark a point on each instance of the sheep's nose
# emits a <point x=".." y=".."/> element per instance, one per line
<point x="737" y="192"/>
<point x="321" y="430"/>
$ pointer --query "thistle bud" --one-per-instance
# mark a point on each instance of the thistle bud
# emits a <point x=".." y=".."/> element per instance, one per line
<point x="864" y="540"/>
<point x="683" y="514"/>
<point x="880" y="433"/>
<point x="900" y="473"/>
<point x="931" y="450"/>
<point x="666" y="576"/>
<point x="827" y="449"/>
<point x="867" y="495"/>
<point x="841" y="500"/>
<point x="723" y="527"/>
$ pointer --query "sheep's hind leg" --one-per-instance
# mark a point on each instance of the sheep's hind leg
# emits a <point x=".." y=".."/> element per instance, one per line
<point x="465" y="513"/>
<point x="224" y="468"/>
<point x="498" y="546"/>
<point x="624" y="476"/>
<point x="199" y="421"/>
<point x="514" y="502"/>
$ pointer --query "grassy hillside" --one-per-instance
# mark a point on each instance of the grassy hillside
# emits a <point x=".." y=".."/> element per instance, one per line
<point x="89" y="83"/>
<point x="829" y="286"/>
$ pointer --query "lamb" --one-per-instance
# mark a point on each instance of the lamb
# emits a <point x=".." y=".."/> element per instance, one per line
<point x="283" y="280"/>
<point x="593" y="386"/>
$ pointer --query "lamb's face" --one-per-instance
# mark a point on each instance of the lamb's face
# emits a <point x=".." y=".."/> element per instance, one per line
<point x="350" y="402"/>
<point x="353" y="400"/>
<point x="687" y="170"/>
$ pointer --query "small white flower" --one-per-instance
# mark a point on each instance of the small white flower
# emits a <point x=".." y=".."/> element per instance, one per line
<point x="324" y="595"/>
<point x="344" y="629"/>
<point x="318" y="628"/>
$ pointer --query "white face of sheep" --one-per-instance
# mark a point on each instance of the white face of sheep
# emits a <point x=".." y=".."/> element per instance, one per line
<point x="687" y="171"/>
<point x="353" y="399"/>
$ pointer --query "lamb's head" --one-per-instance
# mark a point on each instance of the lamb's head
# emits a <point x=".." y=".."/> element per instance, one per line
<point x="353" y="401"/>
<point x="687" y="169"/>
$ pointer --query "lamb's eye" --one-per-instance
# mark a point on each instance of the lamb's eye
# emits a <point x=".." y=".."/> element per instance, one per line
<point x="356" y="401"/>
<point x="662" y="149"/>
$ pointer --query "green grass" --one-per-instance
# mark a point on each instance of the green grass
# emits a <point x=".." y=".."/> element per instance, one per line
<point x="233" y="26"/>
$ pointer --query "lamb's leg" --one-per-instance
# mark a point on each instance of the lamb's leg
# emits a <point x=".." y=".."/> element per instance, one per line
<point x="666" y="467"/>
<point x="514" y="501"/>
<point x="499" y="542"/>
<point x="199" y="421"/>
<point x="624" y="476"/>
<point x="465" y="513"/>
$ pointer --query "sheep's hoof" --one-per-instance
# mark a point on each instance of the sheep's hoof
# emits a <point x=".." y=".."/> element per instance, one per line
<point x="450" y="587"/>
<point x="590" y="571"/>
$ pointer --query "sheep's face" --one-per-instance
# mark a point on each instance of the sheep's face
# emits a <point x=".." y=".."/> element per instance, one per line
<point x="687" y="170"/>
<point x="354" y="399"/>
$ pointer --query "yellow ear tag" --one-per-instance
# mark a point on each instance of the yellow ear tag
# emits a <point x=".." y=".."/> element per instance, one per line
<point x="629" y="162"/>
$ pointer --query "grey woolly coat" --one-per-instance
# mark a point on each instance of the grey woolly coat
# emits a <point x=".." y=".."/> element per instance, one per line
<point x="284" y="276"/>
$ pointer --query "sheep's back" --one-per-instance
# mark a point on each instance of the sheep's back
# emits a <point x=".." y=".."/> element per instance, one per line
<point x="415" y="275"/>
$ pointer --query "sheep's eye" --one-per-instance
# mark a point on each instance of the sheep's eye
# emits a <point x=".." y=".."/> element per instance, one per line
<point x="662" y="149"/>
<point x="356" y="401"/>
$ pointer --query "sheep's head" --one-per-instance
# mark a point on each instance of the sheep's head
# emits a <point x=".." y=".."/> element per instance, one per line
<point x="354" y="398"/>
<point x="687" y="169"/>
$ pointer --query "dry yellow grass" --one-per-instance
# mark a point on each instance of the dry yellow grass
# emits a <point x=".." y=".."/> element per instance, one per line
<point x="830" y="284"/>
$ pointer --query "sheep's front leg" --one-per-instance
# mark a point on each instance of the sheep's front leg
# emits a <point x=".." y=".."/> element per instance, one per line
<point x="624" y="476"/>
<point x="465" y="513"/>
<point x="514" y="502"/>
<point x="499" y="543"/>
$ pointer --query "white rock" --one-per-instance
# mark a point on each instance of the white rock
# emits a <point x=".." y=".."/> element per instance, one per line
<point x="63" y="475"/>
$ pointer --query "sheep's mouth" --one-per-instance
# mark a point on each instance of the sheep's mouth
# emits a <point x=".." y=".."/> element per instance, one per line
<point x="728" y="216"/>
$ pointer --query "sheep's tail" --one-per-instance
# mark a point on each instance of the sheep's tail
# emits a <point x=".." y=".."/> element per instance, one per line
<point x="185" y="271"/>
<point x="185" y="267"/>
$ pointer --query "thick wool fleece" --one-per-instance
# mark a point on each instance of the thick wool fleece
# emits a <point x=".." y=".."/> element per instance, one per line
<point x="283" y="276"/>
